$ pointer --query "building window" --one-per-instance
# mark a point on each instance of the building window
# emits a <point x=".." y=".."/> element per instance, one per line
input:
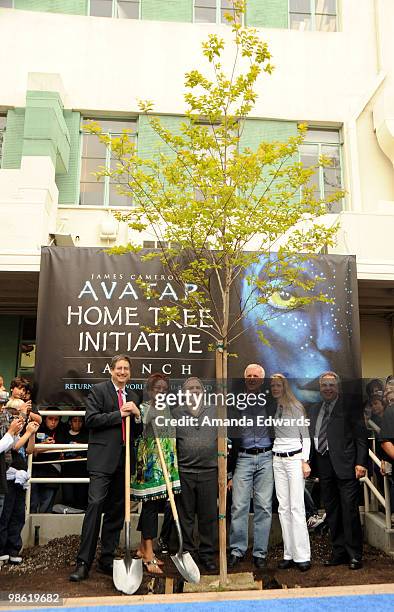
<point x="2" y="130"/>
<point x="94" y="154"/>
<point x="212" y="11"/>
<point x="123" y="9"/>
<point x="313" y="15"/>
<point x="325" y="181"/>
<point x="154" y="244"/>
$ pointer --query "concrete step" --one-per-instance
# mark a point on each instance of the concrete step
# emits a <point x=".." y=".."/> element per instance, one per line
<point x="376" y="532"/>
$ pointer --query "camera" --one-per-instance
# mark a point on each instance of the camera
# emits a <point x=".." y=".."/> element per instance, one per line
<point x="4" y="397"/>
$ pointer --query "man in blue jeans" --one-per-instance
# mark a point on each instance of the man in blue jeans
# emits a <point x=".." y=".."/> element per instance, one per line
<point x="250" y="463"/>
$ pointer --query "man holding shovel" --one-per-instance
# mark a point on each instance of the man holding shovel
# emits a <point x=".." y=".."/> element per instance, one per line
<point x="108" y="404"/>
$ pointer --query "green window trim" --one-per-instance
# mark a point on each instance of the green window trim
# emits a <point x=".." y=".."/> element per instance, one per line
<point x="88" y="165"/>
<point x="217" y="11"/>
<point x="68" y="7"/>
<point x="116" y="8"/>
<point x="3" y="121"/>
<point x="312" y="13"/>
<point x="327" y="142"/>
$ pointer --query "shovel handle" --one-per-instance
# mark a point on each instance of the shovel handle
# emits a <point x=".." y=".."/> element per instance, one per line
<point x="127" y="473"/>
<point x="167" y="479"/>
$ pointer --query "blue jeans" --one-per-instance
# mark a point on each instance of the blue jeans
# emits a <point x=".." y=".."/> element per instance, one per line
<point x="253" y="474"/>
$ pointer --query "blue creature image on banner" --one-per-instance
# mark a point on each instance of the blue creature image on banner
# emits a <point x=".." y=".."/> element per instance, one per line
<point x="304" y="342"/>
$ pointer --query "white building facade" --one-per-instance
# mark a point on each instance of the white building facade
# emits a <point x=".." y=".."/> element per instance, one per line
<point x="65" y="61"/>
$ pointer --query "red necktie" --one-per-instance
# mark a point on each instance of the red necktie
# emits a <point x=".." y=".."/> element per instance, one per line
<point x="120" y="402"/>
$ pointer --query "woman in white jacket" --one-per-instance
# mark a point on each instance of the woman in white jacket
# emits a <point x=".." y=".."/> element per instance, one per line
<point x="291" y="455"/>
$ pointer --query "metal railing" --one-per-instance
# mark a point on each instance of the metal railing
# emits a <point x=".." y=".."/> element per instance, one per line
<point x="384" y="500"/>
<point x="50" y="449"/>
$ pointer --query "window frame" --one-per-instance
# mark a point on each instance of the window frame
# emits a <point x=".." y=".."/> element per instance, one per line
<point x="2" y="132"/>
<point x="313" y="14"/>
<point x="321" y="144"/>
<point x="218" y="19"/>
<point x="106" y="205"/>
<point x="114" y="11"/>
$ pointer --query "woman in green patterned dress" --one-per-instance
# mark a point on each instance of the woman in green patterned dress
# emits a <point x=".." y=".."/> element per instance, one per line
<point x="148" y="484"/>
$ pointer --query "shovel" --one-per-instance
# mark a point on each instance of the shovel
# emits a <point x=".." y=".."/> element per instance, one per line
<point x="127" y="573"/>
<point x="183" y="561"/>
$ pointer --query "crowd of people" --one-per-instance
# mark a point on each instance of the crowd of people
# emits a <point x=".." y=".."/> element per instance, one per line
<point x="379" y="419"/>
<point x="265" y="455"/>
<point x="277" y="451"/>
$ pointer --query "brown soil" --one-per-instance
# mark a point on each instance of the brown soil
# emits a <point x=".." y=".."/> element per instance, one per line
<point x="46" y="569"/>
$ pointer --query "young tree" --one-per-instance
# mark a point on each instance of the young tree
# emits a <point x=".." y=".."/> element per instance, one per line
<point x="216" y="208"/>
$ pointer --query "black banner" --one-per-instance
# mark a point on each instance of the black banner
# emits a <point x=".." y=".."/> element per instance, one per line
<point x="91" y="307"/>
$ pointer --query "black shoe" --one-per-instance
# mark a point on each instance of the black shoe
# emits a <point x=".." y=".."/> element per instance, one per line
<point x="285" y="564"/>
<point x="162" y="547"/>
<point x="304" y="566"/>
<point x="355" y="564"/>
<point x="81" y="573"/>
<point x="208" y="564"/>
<point x="105" y="568"/>
<point x="335" y="561"/>
<point x="260" y="562"/>
<point x="234" y="560"/>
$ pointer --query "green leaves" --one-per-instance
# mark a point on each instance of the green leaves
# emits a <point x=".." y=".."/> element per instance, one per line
<point x="209" y="202"/>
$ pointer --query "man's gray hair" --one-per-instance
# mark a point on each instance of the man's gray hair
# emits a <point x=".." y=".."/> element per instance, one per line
<point x="331" y="374"/>
<point x="117" y="358"/>
<point x="255" y="365"/>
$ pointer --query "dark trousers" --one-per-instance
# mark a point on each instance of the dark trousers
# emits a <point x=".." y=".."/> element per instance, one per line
<point x="42" y="498"/>
<point x="340" y="499"/>
<point x="2" y="499"/>
<point x="12" y="520"/>
<point x="106" y="494"/>
<point x="75" y="495"/>
<point x="199" y="496"/>
<point x="168" y="523"/>
<point x="148" y="522"/>
<point x="310" y="506"/>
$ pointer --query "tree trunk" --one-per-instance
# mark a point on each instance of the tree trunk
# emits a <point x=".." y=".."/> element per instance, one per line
<point x="221" y="378"/>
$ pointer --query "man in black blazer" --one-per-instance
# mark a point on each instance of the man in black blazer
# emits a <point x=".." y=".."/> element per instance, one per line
<point x="108" y="404"/>
<point x="341" y="453"/>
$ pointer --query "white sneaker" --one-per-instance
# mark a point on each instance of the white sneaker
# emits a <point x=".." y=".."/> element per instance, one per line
<point x="314" y="521"/>
<point x="4" y="558"/>
<point x="16" y="560"/>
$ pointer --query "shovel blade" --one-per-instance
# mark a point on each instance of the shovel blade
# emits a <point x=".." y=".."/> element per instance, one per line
<point x="187" y="567"/>
<point x="127" y="577"/>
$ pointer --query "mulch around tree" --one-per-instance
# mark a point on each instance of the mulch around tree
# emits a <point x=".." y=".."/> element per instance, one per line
<point x="46" y="569"/>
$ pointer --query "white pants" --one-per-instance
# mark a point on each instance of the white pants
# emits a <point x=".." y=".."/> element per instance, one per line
<point x="289" y="485"/>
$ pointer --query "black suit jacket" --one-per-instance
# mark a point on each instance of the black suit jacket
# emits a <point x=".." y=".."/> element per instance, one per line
<point x="346" y="435"/>
<point x="104" y="423"/>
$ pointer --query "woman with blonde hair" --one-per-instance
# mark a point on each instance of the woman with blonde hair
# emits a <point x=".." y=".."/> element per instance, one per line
<point x="291" y="466"/>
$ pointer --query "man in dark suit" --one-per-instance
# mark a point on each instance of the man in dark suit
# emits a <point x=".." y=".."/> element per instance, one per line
<point x="108" y="404"/>
<point x="341" y="454"/>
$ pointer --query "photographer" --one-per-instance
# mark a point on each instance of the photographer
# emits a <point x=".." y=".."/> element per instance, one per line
<point x="12" y="519"/>
<point x="7" y="441"/>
